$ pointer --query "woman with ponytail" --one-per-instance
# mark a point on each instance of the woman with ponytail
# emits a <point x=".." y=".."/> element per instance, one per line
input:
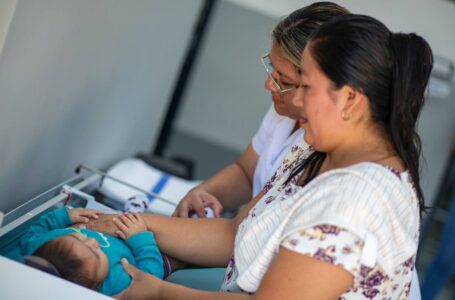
<point x="237" y="183"/>
<point x="362" y="89"/>
<point x="340" y="218"/>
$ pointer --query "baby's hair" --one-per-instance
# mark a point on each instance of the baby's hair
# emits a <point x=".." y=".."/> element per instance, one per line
<point x="71" y="267"/>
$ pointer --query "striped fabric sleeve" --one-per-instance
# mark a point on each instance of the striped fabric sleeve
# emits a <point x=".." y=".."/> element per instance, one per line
<point x="368" y="201"/>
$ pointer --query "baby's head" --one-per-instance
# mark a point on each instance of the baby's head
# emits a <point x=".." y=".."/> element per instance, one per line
<point x="77" y="258"/>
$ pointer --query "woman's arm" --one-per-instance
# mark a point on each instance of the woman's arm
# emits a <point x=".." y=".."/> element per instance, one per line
<point x="296" y="276"/>
<point x="145" y="286"/>
<point x="290" y="276"/>
<point x="202" y="242"/>
<point x="229" y="188"/>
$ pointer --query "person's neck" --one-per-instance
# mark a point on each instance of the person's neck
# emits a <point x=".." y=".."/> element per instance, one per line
<point x="357" y="149"/>
<point x="296" y="127"/>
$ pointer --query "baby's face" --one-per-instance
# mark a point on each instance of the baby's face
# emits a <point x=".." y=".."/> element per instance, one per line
<point x="95" y="260"/>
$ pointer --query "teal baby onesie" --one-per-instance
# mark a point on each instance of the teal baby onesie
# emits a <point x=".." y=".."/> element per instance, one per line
<point x="140" y="249"/>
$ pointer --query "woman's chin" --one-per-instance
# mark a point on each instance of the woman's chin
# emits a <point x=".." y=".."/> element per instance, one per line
<point x="281" y="109"/>
<point x="308" y="139"/>
<point x="278" y="108"/>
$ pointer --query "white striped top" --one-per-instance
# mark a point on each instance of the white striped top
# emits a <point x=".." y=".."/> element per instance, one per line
<point x="366" y="199"/>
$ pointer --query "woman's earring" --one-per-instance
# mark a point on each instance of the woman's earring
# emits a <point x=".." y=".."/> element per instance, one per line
<point x="345" y="115"/>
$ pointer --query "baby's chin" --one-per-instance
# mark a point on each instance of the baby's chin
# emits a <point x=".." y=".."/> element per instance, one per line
<point x="98" y="283"/>
<point x="106" y="272"/>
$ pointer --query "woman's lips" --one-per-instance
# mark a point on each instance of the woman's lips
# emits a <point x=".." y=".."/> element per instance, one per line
<point x="303" y="121"/>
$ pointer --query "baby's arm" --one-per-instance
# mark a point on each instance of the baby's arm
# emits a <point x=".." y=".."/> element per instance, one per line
<point x="37" y="232"/>
<point x="56" y="219"/>
<point x="142" y="243"/>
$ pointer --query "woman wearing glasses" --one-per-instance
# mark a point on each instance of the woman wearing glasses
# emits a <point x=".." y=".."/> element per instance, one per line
<point x="340" y="220"/>
<point x="236" y="184"/>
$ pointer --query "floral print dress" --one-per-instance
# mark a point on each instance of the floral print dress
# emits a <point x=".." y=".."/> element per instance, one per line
<point x="377" y="273"/>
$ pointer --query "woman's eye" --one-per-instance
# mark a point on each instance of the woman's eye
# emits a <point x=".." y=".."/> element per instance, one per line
<point x="289" y="84"/>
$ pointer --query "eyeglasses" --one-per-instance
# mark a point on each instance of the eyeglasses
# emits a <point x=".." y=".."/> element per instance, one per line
<point x="267" y="62"/>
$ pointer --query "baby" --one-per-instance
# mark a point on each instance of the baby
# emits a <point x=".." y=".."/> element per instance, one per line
<point x="89" y="258"/>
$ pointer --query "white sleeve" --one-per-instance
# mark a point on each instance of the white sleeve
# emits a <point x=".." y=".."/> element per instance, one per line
<point x="329" y="243"/>
<point x="377" y="211"/>
<point x="262" y="136"/>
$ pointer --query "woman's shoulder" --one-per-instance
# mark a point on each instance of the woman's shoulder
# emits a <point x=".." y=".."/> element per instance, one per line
<point x="365" y="199"/>
<point x="367" y="175"/>
<point x="361" y="191"/>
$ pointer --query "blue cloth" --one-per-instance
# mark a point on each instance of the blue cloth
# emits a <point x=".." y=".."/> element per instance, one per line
<point x="443" y="266"/>
<point x="140" y="250"/>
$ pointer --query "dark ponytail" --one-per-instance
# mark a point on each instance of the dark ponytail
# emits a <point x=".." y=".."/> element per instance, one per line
<point x="392" y="70"/>
<point x="412" y="64"/>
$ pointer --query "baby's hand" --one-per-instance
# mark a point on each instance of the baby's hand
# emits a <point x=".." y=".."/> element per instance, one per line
<point x="83" y="215"/>
<point x="129" y="224"/>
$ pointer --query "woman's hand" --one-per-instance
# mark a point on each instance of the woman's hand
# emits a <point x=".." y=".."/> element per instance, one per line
<point x="195" y="202"/>
<point x="143" y="285"/>
<point x="83" y="215"/>
<point x="102" y="224"/>
<point x="128" y="225"/>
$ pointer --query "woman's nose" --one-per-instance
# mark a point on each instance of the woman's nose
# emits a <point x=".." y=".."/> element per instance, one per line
<point x="269" y="85"/>
<point x="297" y="98"/>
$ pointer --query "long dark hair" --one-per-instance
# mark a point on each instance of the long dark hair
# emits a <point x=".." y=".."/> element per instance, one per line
<point x="391" y="69"/>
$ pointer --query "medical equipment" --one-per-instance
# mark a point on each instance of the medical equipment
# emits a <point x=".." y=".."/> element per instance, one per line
<point x="19" y="281"/>
<point x="104" y="174"/>
<point x="77" y="191"/>
<point x="149" y="181"/>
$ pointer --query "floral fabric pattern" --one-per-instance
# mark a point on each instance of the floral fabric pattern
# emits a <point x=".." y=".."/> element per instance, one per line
<point x="231" y="273"/>
<point x="296" y="155"/>
<point x="330" y="243"/>
<point x="340" y="247"/>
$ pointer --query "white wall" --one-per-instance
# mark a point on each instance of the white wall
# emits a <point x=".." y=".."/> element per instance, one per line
<point x="433" y="19"/>
<point x="84" y="82"/>
<point x="7" y="8"/>
<point x="226" y="100"/>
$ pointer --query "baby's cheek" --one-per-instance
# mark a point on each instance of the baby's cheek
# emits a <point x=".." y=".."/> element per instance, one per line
<point x="105" y="267"/>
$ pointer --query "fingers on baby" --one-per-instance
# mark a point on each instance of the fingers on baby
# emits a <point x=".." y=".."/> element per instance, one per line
<point x="91" y="213"/>
<point x="83" y="214"/>
<point x="129" y="224"/>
